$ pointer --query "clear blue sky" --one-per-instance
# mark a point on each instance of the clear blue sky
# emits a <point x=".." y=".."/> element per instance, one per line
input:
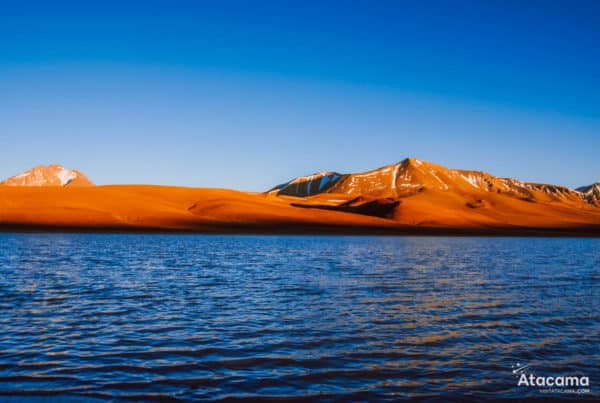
<point x="249" y="94"/>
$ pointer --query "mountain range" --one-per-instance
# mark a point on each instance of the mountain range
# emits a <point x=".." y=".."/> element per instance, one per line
<point x="411" y="196"/>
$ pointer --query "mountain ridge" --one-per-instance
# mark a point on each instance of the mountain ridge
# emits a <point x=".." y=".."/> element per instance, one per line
<point x="396" y="180"/>
<point x="48" y="175"/>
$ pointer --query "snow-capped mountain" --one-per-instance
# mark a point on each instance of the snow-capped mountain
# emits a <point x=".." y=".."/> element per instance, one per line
<point x="591" y="193"/>
<point x="412" y="176"/>
<point x="51" y="175"/>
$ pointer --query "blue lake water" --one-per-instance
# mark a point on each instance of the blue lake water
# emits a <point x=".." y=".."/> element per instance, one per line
<point x="193" y="317"/>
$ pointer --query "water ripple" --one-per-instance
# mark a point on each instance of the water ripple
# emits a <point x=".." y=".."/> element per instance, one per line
<point x="159" y="318"/>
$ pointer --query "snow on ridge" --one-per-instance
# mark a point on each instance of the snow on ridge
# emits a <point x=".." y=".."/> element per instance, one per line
<point x="302" y="178"/>
<point x="471" y="179"/>
<point x="444" y="185"/>
<point x="37" y="178"/>
<point x="395" y="176"/>
<point x="22" y="175"/>
<point x="65" y="176"/>
<point x="51" y="175"/>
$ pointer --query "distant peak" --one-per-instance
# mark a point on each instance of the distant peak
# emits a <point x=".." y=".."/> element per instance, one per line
<point x="50" y="175"/>
<point x="412" y="161"/>
<point x="591" y="193"/>
<point x="589" y="188"/>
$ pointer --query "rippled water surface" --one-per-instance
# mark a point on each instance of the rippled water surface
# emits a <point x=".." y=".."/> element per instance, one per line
<point x="148" y="317"/>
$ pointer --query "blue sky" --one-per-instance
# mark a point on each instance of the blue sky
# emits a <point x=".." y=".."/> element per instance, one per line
<point x="246" y="95"/>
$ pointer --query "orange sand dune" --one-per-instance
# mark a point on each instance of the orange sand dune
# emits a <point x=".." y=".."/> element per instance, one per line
<point x="161" y="208"/>
<point x="140" y="207"/>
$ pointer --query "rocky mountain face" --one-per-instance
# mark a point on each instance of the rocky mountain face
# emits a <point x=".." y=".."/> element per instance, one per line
<point x="591" y="193"/>
<point x="51" y="175"/>
<point x="412" y="176"/>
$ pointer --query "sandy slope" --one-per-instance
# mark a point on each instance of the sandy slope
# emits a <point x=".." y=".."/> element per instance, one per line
<point x="164" y="208"/>
<point x="140" y="207"/>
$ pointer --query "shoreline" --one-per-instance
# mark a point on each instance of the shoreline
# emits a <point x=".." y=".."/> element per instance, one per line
<point x="310" y="230"/>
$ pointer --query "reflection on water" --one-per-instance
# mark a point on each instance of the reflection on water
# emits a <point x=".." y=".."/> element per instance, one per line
<point x="365" y="318"/>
